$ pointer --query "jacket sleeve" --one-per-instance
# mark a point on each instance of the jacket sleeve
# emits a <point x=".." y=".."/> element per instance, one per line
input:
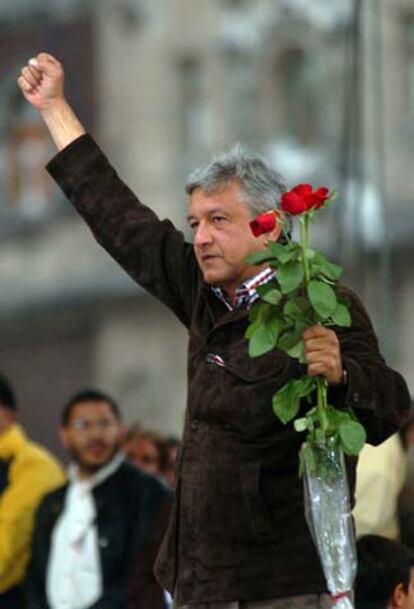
<point x="29" y="481"/>
<point x="378" y="394"/>
<point x="151" y="251"/>
<point x="35" y="591"/>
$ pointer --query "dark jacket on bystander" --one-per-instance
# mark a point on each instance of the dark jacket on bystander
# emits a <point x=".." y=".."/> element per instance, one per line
<point x="131" y="513"/>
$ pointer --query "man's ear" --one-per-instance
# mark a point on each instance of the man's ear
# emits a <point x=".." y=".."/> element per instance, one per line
<point x="399" y="596"/>
<point x="274" y="234"/>
<point x="123" y="430"/>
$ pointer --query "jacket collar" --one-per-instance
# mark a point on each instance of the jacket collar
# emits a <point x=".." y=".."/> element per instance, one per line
<point x="12" y="441"/>
<point x="101" y="475"/>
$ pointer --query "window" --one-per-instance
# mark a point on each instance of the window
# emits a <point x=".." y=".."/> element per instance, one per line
<point x="27" y="187"/>
<point x="242" y="99"/>
<point x="194" y="111"/>
<point x="297" y="95"/>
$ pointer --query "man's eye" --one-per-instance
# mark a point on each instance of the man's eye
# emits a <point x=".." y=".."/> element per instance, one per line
<point x="218" y="219"/>
<point x="193" y="225"/>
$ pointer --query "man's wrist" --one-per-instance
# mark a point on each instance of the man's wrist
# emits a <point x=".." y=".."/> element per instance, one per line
<point x="63" y="124"/>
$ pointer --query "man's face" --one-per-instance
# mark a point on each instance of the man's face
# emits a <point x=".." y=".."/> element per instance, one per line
<point x="223" y="238"/>
<point x="92" y="435"/>
<point x="144" y="454"/>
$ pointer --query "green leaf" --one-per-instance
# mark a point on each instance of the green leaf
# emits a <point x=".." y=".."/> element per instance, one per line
<point x="289" y="340"/>
<point x="259" y="257"/>
<point x="341" y="316"/>
<point x="336" y="417"/>
<point x="307" y="385"/>
<point x="264" y="337"/>
<point x="286" y="403"/>
<point x="255" y="312"/>
<point x="254" y="318"/>
<point x="290" y="276"/>
<point x="270" y="295"/>
<point x="353" y="437"/>
<point x="296" y="351"/>
<point x="284" y="252"/>
<point x="322" y="298"/>
<point x="278" y="249"/>
<point x="251" y="329"/>
<point x="300" y="424"/>
<point x="322" y="265"/>
<point x="291" y="309"/>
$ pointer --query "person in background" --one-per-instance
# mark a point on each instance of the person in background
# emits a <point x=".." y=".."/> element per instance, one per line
<point x="173" y="446"/>
<point x="96" y="537"/>
<point x="380" y="475"/>
<point x="28" y="472"/>
<point x="406" y="499"/>
<point x="385" y="575"/>
<point x="146" y="449"/>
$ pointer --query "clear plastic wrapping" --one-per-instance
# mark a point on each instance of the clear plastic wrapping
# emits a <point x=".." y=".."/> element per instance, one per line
<point x="328" y="514"/>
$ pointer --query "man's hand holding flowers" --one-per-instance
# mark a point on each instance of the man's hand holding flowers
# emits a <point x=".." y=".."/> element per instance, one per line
<point x="322" y="353"/>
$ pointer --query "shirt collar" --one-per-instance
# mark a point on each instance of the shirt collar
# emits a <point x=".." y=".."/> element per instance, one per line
<point x="101" y="475"/>
<point x="246" y="293"/>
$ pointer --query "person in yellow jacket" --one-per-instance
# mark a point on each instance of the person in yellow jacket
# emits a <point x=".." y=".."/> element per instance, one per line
<point x="27" y="473"/>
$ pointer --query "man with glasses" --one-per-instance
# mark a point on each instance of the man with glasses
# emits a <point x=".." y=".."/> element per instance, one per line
<point x="96" y="537"/>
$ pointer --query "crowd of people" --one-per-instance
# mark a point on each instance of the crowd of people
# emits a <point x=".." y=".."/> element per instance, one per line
<point x="88" y="536"/>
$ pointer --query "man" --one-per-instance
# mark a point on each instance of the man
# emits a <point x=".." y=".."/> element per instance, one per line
<point x="28" y="472"/>
<point x="146" y="449"/>
<point x="96" y="537"/>
<point x="237" y="536"/>
<point x="385" y="577"/>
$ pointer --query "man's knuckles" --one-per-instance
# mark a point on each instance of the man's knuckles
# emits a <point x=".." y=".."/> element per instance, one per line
<point x="327" y="362"/>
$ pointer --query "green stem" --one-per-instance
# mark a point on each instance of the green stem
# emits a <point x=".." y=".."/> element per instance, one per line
<point x="321" y="384"/>
<point x="322" y="401"/>
<point x="304" y="243"/>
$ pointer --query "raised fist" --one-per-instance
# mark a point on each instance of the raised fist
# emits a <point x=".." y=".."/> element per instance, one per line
<point x="41" y="81"/>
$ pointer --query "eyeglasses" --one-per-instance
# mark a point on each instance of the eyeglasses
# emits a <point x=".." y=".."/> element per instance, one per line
<point x="85" y="425"/>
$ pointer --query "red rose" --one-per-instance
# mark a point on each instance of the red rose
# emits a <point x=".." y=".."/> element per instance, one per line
<point x="263" y="223"/>
<point x="301" y="199"/>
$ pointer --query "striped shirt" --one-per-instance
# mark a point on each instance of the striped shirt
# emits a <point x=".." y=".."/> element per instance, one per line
<point x="246" y="293"/>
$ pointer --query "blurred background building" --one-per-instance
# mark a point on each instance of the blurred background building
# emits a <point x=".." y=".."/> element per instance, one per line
<point x="325" y="89"/>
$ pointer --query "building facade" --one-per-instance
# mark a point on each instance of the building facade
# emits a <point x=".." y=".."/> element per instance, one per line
<point x="326" y="92"/>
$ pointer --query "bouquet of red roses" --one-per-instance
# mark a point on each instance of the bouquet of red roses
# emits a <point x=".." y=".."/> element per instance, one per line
<point x="304" y="293"/>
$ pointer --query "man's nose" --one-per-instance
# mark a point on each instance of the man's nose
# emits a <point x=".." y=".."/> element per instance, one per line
<point x="202" y="235"/>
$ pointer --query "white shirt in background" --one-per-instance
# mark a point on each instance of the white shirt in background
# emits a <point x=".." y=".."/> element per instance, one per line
<point x="74" y="574"/>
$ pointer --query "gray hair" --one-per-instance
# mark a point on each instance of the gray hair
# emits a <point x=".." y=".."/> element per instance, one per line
<point x="261" y="185"/>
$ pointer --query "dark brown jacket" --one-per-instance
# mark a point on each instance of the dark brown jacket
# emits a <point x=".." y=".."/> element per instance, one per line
<point x="237" y="531"/>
